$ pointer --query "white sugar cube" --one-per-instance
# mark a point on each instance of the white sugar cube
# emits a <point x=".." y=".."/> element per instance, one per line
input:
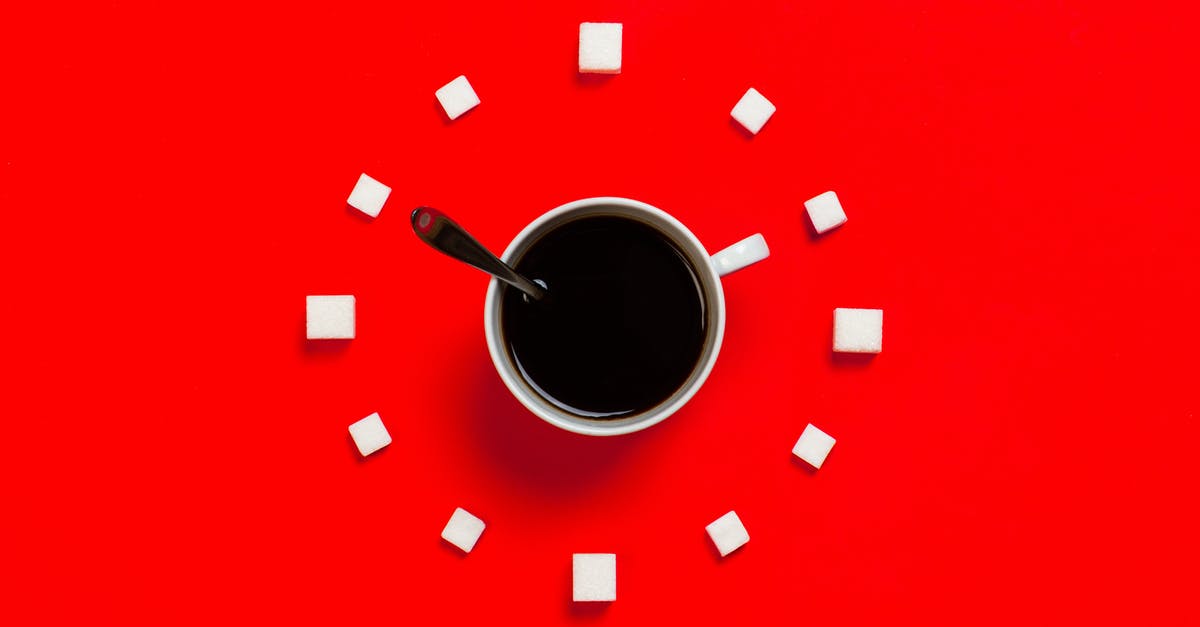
<point x="329" y="317"/>
<point x="457" y="97"/>
<point x="368" y="195"/>
<point x="857" y="330"/>
<point x="370" y="435"/>
<point x="753" y="110"/>
<point x="813" y="446"/>
<point x="825" y="211"/>
<point x="594" y="577"/>
<point x="728" y="533"/>
<point x="463" y="530"/>
<point x="600" y="48"/>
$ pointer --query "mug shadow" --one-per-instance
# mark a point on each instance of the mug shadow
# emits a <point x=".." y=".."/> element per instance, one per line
<point x="531" y="453"/>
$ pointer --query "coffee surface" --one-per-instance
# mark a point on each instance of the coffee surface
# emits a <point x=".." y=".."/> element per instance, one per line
<point x="623" y="325"/>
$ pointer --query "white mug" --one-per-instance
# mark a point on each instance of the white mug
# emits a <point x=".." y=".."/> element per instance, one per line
<point x="709" y="269"/>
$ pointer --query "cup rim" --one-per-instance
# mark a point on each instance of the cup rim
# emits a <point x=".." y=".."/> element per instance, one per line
<point x="554" y="415"/>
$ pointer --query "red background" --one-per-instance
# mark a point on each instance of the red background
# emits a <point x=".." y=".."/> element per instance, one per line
<point x="173" y="182"/>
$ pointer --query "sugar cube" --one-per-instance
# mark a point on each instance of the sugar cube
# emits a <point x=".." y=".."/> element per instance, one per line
<point x="370" y="435"/>
<point x="594" y="577"/>
<point x="463" y="530"/>
<point x="368" y="195"/>
<point x="813" y="446"/>
<point x="753" y="110"/>
<point x="728" y="533"/>
<point x="457" y="97"/>
<point x="600" y="48"/>
<point x="825" y="211"/>
<point x="857" y="330"/>
<point x="329" y="317"/>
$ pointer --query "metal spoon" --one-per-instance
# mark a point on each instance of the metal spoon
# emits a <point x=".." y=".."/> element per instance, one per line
<point x="436" y="229"/>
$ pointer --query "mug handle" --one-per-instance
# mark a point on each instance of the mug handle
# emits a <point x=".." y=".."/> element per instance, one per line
<point x="747" y="252"/>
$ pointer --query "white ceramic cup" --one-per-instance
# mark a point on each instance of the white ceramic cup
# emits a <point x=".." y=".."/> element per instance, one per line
<point x="708" y="268"/>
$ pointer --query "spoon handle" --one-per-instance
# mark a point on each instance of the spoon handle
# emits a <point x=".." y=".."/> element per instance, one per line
<point x="436" y="229"/>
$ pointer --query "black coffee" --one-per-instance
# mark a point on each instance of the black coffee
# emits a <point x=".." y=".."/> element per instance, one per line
<point x="624" y="322"/>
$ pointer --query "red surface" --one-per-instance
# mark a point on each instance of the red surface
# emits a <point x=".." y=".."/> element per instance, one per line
<point x="173" y="182"/>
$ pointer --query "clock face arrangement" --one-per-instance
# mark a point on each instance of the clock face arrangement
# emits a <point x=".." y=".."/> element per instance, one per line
<point x="618" y="324"/>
